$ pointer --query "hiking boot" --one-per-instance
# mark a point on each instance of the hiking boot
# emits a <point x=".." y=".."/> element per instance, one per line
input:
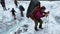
<point x="36" y="29"/>
<point x="40" y="27"/>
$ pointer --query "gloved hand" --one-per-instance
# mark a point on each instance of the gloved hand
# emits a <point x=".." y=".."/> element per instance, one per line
<point x="47" y="14"/>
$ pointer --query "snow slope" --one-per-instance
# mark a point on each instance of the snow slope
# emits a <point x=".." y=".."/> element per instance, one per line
<point x="9" y="26"/>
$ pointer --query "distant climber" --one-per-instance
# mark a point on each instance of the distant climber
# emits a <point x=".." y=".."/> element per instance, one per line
<point x="22" y="9"/>
<point x="13" y="13"/>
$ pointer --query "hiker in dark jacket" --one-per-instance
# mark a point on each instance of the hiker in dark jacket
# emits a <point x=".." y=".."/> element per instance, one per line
<point x="31" y="7"/>
<point x="13" y="13"/>
<point x="3" y="4"/>
<point x="15" y="1"/>
<point x="21" y="8"/>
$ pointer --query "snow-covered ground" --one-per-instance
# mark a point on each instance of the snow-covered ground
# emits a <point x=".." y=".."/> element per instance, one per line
<point x="9" y="26"/>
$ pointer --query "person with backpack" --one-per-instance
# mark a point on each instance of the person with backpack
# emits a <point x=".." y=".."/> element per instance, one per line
<point x="13" y="13"/>
<point x="21" y="8"/>
<point x="3" y="4"/>
<point x="39" y="12"/>
<point x="15" y="1"/>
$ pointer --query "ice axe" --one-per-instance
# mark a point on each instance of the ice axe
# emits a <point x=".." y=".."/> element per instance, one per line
<point x="47" y="14"/>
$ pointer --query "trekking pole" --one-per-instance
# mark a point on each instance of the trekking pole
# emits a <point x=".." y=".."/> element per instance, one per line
<point x="47" y="21"/>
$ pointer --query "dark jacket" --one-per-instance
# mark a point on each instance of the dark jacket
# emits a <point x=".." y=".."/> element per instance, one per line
<point x="21" y="8"/>
<point x="13" y="12"/>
